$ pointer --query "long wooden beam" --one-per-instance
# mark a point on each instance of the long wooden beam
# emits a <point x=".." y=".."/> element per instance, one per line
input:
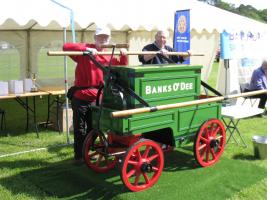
<point x="125" y="113"/>
<point x="80" y="53"/>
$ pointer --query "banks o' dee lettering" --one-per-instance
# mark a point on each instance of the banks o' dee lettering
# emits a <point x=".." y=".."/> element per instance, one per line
<point x="168" y="88"/>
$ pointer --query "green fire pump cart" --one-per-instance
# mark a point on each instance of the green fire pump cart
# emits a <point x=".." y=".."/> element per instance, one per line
<point x="136" y="140"/>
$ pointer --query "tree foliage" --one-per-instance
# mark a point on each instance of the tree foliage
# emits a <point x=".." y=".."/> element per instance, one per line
<point x="245" y="10"/>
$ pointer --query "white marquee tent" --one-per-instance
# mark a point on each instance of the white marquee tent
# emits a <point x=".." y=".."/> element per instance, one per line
<point x="32" y="27"/>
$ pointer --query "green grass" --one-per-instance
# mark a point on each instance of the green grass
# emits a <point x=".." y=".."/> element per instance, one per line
<point x="213" y="75"/>
<point x="50" y="174"/>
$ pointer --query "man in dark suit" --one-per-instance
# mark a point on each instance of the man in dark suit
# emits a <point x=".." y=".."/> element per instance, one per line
<point x="160" y="46"/>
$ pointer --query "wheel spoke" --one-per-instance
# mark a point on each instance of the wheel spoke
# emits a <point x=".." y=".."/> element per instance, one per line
<point x="219" y="147"/>
<point x="107" y="160"/>
<point x="219" y="137"/>
<point x="146" y="151"/>
<point x="99" y="160"/>
<point x="201" y="147"/>
<point x="93" y="154"/>
<point x="137" y="176"/>
<point x="131" y="173"/>
<point x="155" y="169"/>
<point x="202" y="154"/>
<point x="209" y="130"/>
<point x="138" y="155"/>
<point x="132" y="162"/>
<point x="153" y="157"/>
<point x="207" y="155"/>
<point x="146" y="178"/>
<point x="101" y="140"/>
<point x="205" y="132"/>
<point x="203" y="139"/>
<point x="216" y="131"/>
<point x="213" y="153"/>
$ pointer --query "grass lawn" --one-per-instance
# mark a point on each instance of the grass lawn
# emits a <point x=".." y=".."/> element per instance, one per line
<point x="50" y="174"/>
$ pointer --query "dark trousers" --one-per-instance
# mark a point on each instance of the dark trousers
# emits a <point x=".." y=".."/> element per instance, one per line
<point x="263" y="99"/>
<point x="82" y="124"/>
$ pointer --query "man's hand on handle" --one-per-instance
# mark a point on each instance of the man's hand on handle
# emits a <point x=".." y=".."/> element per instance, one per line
<point x="93" y="51"/>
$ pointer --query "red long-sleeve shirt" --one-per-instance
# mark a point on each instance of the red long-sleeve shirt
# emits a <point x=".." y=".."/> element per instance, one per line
<point x="86" y="73"/>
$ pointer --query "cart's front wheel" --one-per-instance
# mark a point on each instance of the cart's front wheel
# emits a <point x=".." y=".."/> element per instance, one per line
<point x="209" y="142"/>
<point x="142" y="165"/>
<point x="93" y="153"/>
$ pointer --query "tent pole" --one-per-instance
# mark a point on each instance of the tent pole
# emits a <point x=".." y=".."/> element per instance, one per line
<point x="66" y="89"/>
<point x="28" y="67"/>
<point x="226" y="67"/>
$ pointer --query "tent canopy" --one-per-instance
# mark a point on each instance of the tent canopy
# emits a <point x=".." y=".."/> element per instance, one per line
<point x="35" y="26"/>
<point x="119" y="15"/>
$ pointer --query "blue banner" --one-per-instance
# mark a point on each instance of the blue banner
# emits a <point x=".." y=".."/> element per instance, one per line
<point x="181" y="36"/>
<point x="225" y="46"/>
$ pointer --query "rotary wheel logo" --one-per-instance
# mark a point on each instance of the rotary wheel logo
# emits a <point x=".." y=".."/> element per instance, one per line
<point x="181" y="26"/>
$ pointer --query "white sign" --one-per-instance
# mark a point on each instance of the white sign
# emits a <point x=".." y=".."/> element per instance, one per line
<point x="168" y="88"/>
<point x="241" y="44"/>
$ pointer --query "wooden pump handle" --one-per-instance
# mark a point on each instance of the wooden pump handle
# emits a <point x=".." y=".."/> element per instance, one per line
<point x="75" y="53"/>
<point x="126" y="113"/>
<point x="65" y="53"/>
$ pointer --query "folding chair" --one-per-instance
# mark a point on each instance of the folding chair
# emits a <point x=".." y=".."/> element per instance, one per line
<point x="244" y="87"/>
<point x="235" y="113"/>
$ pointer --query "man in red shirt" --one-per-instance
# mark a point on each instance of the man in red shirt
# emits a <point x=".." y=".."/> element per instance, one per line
<point x="88" y="78"/>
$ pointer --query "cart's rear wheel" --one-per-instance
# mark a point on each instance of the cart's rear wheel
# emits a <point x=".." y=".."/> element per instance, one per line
<point x="209" y="142"/>
<point x="142" y="165"/>
<point x="93" y="147"/>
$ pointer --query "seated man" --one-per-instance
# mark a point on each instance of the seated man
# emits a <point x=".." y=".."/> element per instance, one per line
<point x="259" y="82"/>
<point x="160" y="46"/>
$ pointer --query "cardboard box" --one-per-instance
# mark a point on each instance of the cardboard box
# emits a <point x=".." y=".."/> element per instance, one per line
<point x="62" y="118"/>
<point x="3" y="88"/>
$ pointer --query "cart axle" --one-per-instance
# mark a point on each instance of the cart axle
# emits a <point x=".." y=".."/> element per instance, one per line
<point x="146" y="167"/>
<point x="214" y="143"/>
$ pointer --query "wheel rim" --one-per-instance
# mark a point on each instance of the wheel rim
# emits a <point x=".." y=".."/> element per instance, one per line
<point x="142" y="165"/>
<point x="209" y="142"/>
<point x="94" y="159"/>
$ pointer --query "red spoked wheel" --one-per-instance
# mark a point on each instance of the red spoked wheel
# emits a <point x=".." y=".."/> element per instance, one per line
<point x="142" y="165"/>
<point x="209" y="142"/>
<point x="93" y="148"/>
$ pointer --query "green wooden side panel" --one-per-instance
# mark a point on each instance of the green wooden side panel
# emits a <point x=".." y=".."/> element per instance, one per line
<point x="151" y="121"/>
<point x="182" y="121"/>
<point x="191" y="118"/>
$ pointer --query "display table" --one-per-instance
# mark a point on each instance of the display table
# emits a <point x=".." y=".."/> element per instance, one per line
<point x="23" y="100"/>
